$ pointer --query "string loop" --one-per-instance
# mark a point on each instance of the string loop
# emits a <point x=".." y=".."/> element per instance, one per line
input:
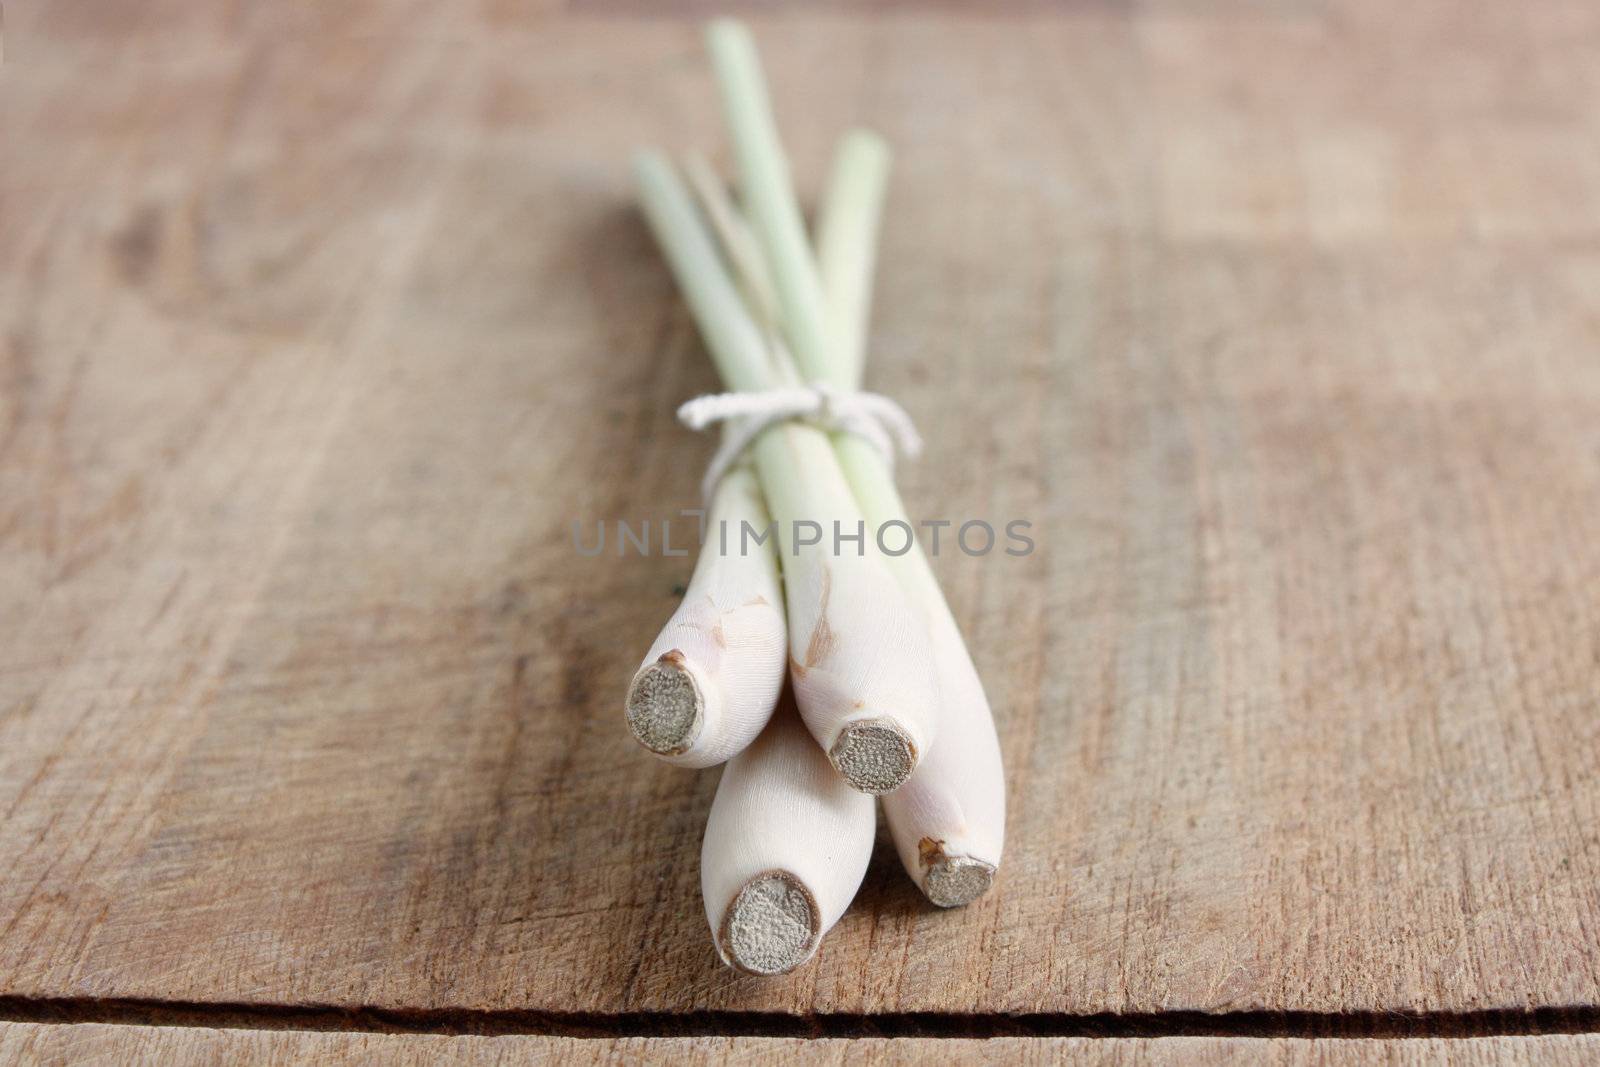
<point x="873" y="417"/>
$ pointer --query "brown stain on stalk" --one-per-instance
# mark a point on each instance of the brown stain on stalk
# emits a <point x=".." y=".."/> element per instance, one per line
<point x="821" y="643"/>
<point x="930" y="852"/>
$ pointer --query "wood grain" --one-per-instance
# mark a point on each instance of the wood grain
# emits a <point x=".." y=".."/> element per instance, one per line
<point x="319" y="329"/>
<point x="22" y="1043"/>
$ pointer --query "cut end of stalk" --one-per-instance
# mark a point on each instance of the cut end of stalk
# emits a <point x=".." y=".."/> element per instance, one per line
<point x="771" y="926"/>
<point x="874" y="755"/>
<point x="666" y="705"/>
<point x="955" y="881"/>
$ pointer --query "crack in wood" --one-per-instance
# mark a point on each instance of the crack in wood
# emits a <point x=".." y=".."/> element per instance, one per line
<point x="1576" y="1019"/>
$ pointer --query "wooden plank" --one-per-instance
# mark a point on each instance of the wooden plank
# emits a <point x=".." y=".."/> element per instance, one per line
<point x="1278" y="325"/>
<point x="27" y="1043"/>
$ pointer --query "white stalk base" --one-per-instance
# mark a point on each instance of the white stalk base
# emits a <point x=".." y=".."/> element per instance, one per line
<point x="862" y="666"/>
<point x="786" y="846"/>
<point x="949" y="819"/>
<point x="712" y="678"/>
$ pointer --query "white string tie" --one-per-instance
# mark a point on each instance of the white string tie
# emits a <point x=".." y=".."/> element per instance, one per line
<point x="873" y="417"/>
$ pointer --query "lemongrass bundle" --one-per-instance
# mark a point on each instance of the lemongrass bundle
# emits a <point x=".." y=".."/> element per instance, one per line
<point x="875" y="658"/>
<point x="948" y="820"/>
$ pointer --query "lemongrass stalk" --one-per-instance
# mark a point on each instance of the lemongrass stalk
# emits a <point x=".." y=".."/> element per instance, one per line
<point x="738" y="244"/>
<point x="948" y="820"/>
<point x="847" y="229"/>
<point x="858" y="647"/>
<point x="732" y="338"/>
<point x="786" y="845"/>
<point x="770" y="200"/>
<point x="709" y="683"/>
<point x="768" y="192"/>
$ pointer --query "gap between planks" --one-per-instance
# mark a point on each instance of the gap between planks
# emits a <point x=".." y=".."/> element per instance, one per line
<point x="1583" y="1019"/>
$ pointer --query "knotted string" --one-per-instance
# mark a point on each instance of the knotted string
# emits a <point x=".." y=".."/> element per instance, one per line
<point x="871" y="416"/>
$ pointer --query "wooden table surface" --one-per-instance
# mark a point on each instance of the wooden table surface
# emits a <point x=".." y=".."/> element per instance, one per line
<point x="320" y="324"/>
